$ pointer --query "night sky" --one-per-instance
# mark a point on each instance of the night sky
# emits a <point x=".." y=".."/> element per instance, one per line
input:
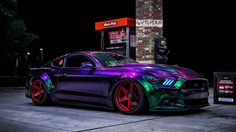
<point x="70" y="23"/>
<point x="200" y="34"/>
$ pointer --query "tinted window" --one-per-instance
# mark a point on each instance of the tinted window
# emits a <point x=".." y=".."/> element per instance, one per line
<point x="112" y="59"/>
<point x="76" y="60"/>
<point x="58" y="62"/>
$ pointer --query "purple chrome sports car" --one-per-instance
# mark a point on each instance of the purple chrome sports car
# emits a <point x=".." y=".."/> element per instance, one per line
<point x="114" y="81"/>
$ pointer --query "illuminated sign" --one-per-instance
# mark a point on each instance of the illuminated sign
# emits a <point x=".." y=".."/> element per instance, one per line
<point x="225" y="90"/>
<point x="149" y="23"/>
<point x="107" y="24"/>
<point x="121" y="22"/>
<point x="117" y="37"/>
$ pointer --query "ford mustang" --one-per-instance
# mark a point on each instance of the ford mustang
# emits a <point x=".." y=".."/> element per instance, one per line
<point x="114" y="81"/>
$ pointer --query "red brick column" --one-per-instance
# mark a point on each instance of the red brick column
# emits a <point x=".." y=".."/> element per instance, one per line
<point x="149" y="23"/>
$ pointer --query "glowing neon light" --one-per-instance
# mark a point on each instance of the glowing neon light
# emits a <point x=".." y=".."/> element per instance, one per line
<point x="179" y="83"/>
<point x="168" y="82"/>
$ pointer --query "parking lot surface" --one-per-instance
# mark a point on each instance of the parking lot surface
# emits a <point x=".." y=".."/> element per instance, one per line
<point x="17" y="114"/>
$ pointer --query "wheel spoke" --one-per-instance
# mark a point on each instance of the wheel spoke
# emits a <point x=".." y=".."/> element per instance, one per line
<point x="36" y="87"/>
<point x="125" y="108"/>
<point x="36" y="94"/>
<point x="128" y="96"/>
<point x="124" y="90"/>
<point x="131" y="88"/>
<point x="37" y="91"/>
<point x="129" y="104"/>
<point x="123" y="99"/>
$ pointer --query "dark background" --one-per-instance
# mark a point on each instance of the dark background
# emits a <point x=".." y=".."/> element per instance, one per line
<point x="199" y="34"/>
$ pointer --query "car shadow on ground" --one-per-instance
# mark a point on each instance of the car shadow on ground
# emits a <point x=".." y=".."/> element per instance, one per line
<point x="177" y="113"/>
<point x="105" y="109"/>
<point x="83" y="107"/>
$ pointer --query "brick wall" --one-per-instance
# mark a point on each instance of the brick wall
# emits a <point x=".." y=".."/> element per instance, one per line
<point x="148" y="24"/>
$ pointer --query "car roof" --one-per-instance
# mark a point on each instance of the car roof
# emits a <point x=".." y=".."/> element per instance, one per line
<point x="87" y="52"/>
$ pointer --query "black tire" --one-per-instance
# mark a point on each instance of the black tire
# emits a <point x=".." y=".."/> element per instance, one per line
<point x="38" y="92"/>
<point x="129" y="97"/>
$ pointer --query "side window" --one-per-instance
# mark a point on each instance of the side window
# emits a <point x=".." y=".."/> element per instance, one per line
<point x="58" y="62"/>
<point x="76" y="60"/>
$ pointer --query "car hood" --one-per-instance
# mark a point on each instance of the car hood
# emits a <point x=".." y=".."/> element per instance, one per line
<point x="161" y="70"/>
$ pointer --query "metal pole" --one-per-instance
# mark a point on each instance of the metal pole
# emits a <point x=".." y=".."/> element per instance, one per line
<point x="26" y="56"/>
<point x="127" y="41"/>
<point x="102" y="41"/>
<point x="41" y="51"/>
<point x="123" y="41"/>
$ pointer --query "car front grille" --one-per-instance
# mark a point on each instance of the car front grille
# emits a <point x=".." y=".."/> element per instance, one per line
<point x="196" y="84"/>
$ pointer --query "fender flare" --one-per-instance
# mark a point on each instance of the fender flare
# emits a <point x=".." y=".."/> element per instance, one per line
<point x="46" y="79"/>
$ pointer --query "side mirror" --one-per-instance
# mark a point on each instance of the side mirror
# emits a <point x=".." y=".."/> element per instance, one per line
<point x="87" y="65"/>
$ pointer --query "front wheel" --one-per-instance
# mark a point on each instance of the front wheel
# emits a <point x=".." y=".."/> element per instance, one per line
<point x="38" y="93"/>
<point x="129" y="97"/>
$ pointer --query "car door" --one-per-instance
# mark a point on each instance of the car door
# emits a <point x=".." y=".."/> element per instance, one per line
<point x="78" y="82"/>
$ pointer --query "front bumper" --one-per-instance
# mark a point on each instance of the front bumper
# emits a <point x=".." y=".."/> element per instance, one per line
<point x="178" y="99"/>
<point x="186" y="105"/>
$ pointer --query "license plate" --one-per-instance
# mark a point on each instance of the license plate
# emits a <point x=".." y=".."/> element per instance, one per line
<point x="226" y="99"/>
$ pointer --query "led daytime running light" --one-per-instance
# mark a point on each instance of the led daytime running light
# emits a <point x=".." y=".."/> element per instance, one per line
<point x="168" y="82"/>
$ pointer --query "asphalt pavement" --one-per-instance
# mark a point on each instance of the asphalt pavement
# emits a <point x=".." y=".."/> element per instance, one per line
<point x="18" y="114"/>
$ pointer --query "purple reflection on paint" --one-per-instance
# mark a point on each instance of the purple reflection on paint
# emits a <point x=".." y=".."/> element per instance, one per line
<point x="44" y="76"/>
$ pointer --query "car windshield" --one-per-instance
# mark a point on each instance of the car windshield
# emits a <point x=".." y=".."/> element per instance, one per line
<point x="112" y="59"/>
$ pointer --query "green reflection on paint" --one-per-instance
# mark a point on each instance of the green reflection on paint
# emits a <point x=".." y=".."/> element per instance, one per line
<point x="49" y="85"/>
<point x="147" y="86"/>
<point x="151" y="95"/>
<point x="48" y="82"/>
<point x="179" y="84"/>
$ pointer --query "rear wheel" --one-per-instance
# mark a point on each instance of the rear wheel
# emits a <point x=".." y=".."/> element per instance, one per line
<point x="129" y="97"/>
<point x="38" y="93"/>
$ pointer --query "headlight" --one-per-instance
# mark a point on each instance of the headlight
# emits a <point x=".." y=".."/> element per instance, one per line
<point x="165" y="82"/>
<point x="168" y="82"/>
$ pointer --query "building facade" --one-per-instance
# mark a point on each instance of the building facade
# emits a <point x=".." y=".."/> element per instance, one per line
<point x="149" y="24"/>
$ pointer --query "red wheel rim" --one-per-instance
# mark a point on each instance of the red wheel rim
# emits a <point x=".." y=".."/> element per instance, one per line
<point x="128" y="96"/>
<point x="37" y="91"/>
